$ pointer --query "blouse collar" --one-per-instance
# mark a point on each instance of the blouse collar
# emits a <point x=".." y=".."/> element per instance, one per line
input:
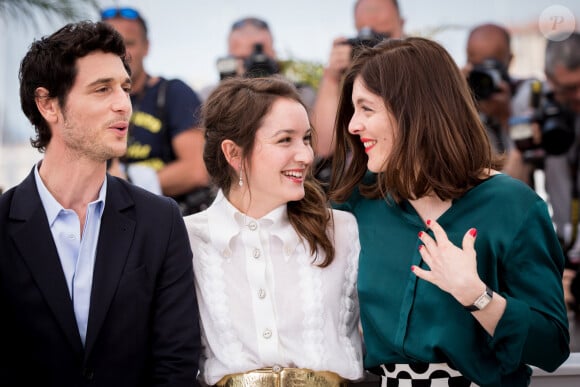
<point x="226" y="222"/>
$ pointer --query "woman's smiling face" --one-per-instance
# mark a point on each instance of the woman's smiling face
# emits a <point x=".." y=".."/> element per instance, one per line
<point x="373" y="123"/>
<point x="281" y="156"/>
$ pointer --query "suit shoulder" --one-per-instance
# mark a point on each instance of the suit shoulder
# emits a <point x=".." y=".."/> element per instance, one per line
<point x="6" y="200"/>
<point x="138" y="192"/>
<point x="147" y="204"/>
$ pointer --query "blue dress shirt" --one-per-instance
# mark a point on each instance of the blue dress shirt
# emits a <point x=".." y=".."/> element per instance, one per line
<point x="76" y="250"/>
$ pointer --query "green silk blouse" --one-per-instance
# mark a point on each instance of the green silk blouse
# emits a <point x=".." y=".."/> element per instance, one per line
<point x="406" y="319"/>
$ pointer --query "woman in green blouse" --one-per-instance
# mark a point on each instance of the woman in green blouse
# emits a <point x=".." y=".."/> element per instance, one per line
<point x="460" y="268"/>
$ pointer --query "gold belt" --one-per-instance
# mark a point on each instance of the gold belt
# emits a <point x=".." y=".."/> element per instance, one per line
<point x="283" y="377"/>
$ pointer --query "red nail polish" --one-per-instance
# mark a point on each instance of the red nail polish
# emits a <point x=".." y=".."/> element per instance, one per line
<point x="420" y="234"/>
<point x="412" y="268"/>
<point x="428" y="222"/>
<point x="473" y="232"/>
<point x="420" y="247"/>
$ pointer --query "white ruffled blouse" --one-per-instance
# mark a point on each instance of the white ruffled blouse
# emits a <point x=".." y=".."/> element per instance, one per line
<point x="262" y="300"/>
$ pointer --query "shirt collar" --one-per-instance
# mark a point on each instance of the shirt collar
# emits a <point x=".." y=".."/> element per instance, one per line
<point x="51" y="206"/>
<point x="226" y="222"/>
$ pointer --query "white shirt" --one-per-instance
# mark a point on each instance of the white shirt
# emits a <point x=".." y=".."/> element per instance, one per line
<point x="262" y="300"/>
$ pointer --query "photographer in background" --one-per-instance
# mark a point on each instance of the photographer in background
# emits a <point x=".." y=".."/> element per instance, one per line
<point x="251" y="54"/>
<point x="164" y="137"/>
<point x="374" y="20"/>
<point x="562" y="68"/>
<point x="489" y="56"/>
<point x="250" y="50"/>
<point x="488" y="59"/>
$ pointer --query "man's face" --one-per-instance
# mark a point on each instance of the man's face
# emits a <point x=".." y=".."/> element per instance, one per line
<point x="488" y="45"/>
<point x="94" y="122"/>
<point x="381" y="16"/>
<point x="135" y="40"/>
<point x="243" y="40"/>
<point x="566" y="86"/>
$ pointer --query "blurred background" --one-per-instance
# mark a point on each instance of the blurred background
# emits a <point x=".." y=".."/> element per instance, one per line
<point x="187" y="37"/>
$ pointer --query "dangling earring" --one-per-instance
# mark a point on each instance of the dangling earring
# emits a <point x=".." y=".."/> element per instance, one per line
<point x="241" y="181"/>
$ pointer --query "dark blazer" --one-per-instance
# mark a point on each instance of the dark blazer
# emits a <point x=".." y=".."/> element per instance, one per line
<point x="143" y="327"/>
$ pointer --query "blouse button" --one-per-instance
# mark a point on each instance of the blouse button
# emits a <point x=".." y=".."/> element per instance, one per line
<point x="287" y="251"/>
<point x="267" y="333"/>
<point x="261" y="293"/>
<point x="252" y="226"/>
<point x="256" y="253"/>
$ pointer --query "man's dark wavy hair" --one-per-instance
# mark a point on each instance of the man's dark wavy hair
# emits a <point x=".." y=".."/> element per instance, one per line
<point x="51" y="63"/>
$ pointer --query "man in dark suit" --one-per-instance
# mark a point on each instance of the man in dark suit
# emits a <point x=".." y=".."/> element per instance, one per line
<point x="96" y="279"/>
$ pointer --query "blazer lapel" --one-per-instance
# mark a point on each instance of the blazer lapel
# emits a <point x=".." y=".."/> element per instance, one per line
<point x="115" y="238"/>
<point x="31" y="234"/>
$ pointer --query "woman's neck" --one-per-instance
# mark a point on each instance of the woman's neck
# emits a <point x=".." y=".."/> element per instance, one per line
<point x="430" y="206"/>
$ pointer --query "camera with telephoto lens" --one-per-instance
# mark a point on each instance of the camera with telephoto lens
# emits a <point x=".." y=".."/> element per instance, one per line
<point x="259" y="64"/>
<point x="485" y="78"/>
<point x="366" y="37"/>
<point x="556" y="127"/>
<point x="256" y="65"/>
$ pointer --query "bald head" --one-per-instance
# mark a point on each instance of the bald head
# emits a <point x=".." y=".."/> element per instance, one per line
<point x="489" y="41"/>
<point x="381" y="16"/>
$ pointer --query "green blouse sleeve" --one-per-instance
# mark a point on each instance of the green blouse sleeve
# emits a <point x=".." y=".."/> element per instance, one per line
<point x="531" y="281"/>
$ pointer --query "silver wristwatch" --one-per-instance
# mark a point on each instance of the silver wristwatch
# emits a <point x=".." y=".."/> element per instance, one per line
<point x="482" y="301"/>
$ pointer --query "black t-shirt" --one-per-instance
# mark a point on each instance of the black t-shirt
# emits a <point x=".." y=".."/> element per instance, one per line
<point x="149" y="140"/>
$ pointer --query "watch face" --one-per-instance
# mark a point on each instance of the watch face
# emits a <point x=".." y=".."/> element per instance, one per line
<point x="482" y="301"/>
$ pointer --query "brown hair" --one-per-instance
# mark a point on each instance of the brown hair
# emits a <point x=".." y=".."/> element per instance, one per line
<point x="440" y="145"/>
<point x="234" y="111"/>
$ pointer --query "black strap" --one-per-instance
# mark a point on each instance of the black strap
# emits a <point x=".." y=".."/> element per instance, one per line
<point x="167" y="153"/>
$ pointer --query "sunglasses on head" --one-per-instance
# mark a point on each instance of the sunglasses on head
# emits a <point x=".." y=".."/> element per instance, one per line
<point x="125" y="13"/>
<point x="252" y="21"/>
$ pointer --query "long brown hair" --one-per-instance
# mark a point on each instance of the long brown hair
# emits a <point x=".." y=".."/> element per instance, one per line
<point x="440" y="145"/>
<point x="234" y="111"/>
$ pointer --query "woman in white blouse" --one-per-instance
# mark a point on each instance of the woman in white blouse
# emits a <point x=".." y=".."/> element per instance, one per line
<point x="275" y="268"/>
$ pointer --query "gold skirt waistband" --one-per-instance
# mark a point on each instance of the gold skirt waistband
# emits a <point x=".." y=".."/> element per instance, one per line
<point x="283" y="377"/>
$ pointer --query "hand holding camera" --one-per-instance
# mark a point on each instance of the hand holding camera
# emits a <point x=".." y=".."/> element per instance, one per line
<point x="344" y="49"/>
<point x="556" y="124"/>
<point x="485" y="78"/>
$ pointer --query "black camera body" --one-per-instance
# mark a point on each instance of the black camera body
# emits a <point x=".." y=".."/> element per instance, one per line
<point x="556" y="125"/>
<point x="256" y="65"/>
<point x="366" y="37"/>
<point x="485" y="78"/>
<point x="259" y="64"/>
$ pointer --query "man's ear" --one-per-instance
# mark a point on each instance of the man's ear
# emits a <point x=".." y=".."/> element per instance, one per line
<point x="233" y="154"/>
<point x="47" y="106"/>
